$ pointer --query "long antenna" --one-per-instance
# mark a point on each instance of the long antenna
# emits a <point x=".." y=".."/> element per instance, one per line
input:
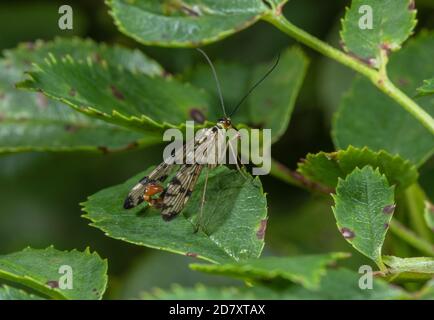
<point x="219" y="90"/>
<point x="255" y="85"/>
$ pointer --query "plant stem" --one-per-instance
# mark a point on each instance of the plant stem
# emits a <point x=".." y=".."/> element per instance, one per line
<point x="408" y="236"/>
<point x="294" y="178"/>
<point x="415" y="203"/>
<point x="281" y="172"/>
<point x="377" y="78"/>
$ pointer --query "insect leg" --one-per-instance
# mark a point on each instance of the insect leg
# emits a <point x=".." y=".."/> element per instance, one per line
<point x="237" y="157"/>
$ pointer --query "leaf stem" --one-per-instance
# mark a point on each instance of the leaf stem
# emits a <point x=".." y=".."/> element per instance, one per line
<point x="411" y="238"/>
<point x="376" y="77"/>
<point x="279" y="171"/>
<point x="294" y="178"/>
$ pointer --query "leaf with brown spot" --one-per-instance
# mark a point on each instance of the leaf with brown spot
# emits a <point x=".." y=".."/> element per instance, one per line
<point x="187" y="23"/>
<point x="360" y="200"/>
<point x="38" y="269"/>
<point x="234" y="208"/>
<point x="393" y="22"/>
<point x="32" y="122"/>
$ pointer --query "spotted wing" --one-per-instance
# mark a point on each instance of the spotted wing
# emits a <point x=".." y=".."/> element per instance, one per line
<point x="179" y="190"/>
<point x="158" y="175"/>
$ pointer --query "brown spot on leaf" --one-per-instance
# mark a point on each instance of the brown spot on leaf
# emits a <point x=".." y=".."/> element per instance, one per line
<point x="72" y="92"/>
<point x="2" y="95"/>
<point x="116" y="93"/>
<point x="131" y="145"/>
<point x="197" y="115"/>
<point x="260" y="234"/>
<point x="41" y="100"/>
<point x="386" y="226"/>
<point x="71" y="128"/>
<point x="53" y="284"/>
<point x="389" y="209"/>
<point x="97" y="57"/>
<point x="279" y="9"/>
<point x="191" y="254"/>
<point x="166" y="74"/>
<point x="2" y="117"/>
<point x="191" y="11"/>
<point x="412" y="5"/>
<point x="386" y="47"/>
<point x="347" y="233"/>
<point x="369" y="61"/>
<point x="257" y="125"/>
<point x="104" y="149"/>
<point x="403" y="82"/>
<point x="30" y="46"/>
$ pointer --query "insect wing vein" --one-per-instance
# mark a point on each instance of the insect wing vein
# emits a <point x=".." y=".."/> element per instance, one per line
<point x="179" y="190"/>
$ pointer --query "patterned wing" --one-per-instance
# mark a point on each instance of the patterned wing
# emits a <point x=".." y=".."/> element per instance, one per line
<point x="179" y="190"/>
<point x="158" y="175"/>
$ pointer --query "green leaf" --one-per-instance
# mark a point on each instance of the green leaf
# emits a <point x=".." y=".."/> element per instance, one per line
<point x="234" y="80"/>
<point x="234" y="218"/>
<point x="198" y="292"/>
<point x="306" y="270"/>
<point x="39" y="270"/>
<point x="31" y="122"/>
<point x="134" y="100"/>
<point x="82" y="49"/>
<point x="427" y="88"/>
<point x="271" y="104"/>
<point x="429" y="215"/>
<point x="341" y="284"/>
<point x="364" y="205"/>
<point x="186" y="23"/>
<point x="393" y="22"/>
<point x="10" y="293"/>
<point x="327" y="168"/>
<point x="419" y="268"/>
<point x="367" y="117"/>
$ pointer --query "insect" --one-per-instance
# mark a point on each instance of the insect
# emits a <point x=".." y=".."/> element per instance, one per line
<point x="172" y="199"/>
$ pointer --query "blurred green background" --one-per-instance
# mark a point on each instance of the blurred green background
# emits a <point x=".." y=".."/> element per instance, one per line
<point x="40" y="192"/>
